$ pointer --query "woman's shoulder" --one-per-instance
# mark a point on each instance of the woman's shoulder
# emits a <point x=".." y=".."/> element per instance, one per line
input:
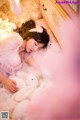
<point x="11" y="42"/>
<point x="15" y="40"/>
<point x="11" y="36"/>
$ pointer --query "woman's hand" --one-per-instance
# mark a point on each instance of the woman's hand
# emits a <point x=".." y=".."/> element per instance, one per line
<point x="10" y="85"/>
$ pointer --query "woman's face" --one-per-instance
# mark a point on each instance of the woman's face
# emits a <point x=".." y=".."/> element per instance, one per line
<point x="32" y="45"/>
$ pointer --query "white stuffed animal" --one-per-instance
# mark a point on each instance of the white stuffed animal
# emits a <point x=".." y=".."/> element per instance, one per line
<point x="30" y="85"/>
<point x="28" y="95"/>
<point x="24" y="79"/>
<point x="27" y="84"/>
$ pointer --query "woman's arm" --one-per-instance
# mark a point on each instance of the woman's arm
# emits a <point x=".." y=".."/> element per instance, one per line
<point x="8" y="84"/>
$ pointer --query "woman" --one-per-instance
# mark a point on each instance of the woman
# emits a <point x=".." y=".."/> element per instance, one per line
<point x="12" y="48"/>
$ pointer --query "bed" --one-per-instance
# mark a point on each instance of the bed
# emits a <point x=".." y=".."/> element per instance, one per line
<point x="57" y="97"/>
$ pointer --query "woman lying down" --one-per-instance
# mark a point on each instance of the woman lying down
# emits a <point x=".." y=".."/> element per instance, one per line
<point x="60" y="100"/>
<point x="13" y="47"/>
<point x="13" y="52"/>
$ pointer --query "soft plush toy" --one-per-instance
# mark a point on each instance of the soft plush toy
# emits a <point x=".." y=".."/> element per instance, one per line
<point x="31" y="84"/>
<point x="24" y="79"/>
<point x="27" y="84"/>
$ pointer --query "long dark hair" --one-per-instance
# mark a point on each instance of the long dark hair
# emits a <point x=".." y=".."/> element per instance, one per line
<point x="40" y="37"/>
<point x="37" y="36"/>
